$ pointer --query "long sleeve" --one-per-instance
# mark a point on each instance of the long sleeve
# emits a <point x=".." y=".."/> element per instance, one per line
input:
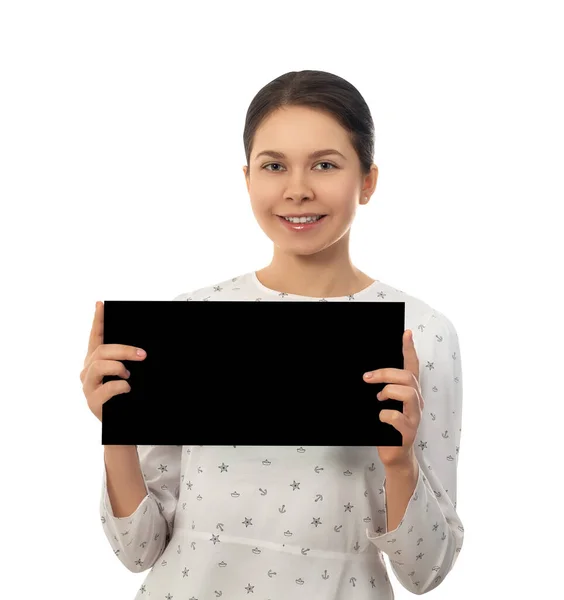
<point x="139" y="539"/>
<point x="425" y="546"/>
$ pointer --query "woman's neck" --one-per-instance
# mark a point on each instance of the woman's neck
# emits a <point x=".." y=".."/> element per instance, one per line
<point x="312" y="276"/>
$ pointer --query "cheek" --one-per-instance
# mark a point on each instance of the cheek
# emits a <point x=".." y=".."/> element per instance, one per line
<point x="261" y="202"/>
<point x="343" y="205"/>
<point x="264" y="198"/>
<point x="340" y="194"/>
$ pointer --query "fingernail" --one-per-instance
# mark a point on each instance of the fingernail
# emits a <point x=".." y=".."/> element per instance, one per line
<point x="368" y="375"/>
<point x="141" y="352"/>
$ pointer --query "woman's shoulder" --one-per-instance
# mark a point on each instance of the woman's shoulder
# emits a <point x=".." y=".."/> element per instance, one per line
<point x="419" y="313"/>
<point x="229" y="289"/>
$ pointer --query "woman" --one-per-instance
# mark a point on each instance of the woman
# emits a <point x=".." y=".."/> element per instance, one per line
<point x="306" y="522"/>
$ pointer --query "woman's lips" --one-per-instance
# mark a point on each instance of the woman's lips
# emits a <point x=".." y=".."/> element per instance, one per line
<point x="302" y="226"/>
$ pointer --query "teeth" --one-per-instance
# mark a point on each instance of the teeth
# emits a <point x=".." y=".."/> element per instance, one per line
<point x="303" y="219"/>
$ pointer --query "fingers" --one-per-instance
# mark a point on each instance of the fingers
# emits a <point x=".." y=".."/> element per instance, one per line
<point x="408" y="395"/>
<point x="410" y="359"/>
<point x="410" y="365"/>
<point x="112" y="388"/>
<point x="113" y="352"/>
<point x="97" y="331"/>
<point x="105" y="359"/>
<point x="97" y="399"/>
<point x="397" y="420"/>
<point x="391" y="375"/>
<point x="98" y="370"/>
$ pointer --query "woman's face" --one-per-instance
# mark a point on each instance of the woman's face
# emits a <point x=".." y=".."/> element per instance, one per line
<point x="285" y="179"/>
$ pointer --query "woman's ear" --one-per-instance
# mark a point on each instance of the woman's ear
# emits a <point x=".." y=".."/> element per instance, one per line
<point x="246" y="173"/>
<point x="369" y="185"/>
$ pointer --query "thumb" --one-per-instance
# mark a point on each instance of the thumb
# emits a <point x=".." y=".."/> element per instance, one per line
<point x="410" y="359"/>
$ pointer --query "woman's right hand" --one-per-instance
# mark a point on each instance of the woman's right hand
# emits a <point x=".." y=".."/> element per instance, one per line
<point x="104" y="359"/>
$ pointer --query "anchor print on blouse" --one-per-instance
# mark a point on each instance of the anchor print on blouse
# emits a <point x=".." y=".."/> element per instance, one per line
<point x="248" y="522"/>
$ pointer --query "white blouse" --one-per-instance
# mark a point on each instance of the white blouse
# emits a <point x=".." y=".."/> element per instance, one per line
<point x="279" y="522"/>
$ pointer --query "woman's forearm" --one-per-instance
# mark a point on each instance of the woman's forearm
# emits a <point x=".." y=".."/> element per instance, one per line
<point x="125" y="482"/>
<point x="400" y="485"/>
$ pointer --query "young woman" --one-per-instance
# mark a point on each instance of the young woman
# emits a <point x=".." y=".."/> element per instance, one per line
<point x="306" y="522"/>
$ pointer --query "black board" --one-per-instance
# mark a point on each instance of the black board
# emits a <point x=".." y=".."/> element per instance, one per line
<point x="253" y="373"/>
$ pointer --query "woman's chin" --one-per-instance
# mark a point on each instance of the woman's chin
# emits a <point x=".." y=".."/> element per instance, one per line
<point x="303" y="248"/>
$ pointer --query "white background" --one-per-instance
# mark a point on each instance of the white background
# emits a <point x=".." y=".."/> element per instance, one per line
<point x="120" y="178"/>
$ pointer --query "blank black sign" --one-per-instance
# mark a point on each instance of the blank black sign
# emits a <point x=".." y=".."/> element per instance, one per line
<point x="253" y="373"/>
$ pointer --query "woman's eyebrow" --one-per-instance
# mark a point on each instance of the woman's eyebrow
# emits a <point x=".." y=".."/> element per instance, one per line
<point x="316" y="154"/>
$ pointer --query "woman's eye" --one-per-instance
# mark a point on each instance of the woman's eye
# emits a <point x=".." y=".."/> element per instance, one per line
<point x="321" y="163"/>
<point x="326" y="163"/>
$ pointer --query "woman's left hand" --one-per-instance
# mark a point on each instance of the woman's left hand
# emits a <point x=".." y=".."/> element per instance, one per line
<point x="403" y="385"/>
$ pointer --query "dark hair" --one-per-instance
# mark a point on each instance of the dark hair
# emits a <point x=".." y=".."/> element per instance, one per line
<point x="319" y="90"/>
